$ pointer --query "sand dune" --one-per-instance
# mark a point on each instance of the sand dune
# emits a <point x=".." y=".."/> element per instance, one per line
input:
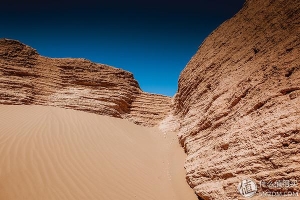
<point x="54" y="153"/>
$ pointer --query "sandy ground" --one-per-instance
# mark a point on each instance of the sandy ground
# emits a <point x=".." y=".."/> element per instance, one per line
<point x="53" y="153"/>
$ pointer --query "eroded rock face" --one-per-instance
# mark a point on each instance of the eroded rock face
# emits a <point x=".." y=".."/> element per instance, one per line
<point x="149" y="109"/>
<point x="238" y="102"/>
<point x="237" y="110"/>
<point x="28" y="78"/>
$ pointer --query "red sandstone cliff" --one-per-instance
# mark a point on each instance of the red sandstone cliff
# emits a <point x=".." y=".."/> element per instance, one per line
<point x="238" y="101"/>
<point x="28" y="78"/>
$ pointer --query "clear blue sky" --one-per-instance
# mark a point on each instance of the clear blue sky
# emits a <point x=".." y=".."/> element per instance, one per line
<point x="152" y="39"/>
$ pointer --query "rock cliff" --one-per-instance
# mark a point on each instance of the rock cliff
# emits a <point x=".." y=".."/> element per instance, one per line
<point x="28" y="78"/>
<point x="238" y="101"/>
<point x="237" y="109"/>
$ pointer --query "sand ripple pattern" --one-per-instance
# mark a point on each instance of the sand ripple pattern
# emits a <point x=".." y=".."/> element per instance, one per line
<point x="49" y="153"/>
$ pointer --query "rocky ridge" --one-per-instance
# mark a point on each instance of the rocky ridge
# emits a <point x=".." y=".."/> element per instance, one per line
<point x="28" y="78"/>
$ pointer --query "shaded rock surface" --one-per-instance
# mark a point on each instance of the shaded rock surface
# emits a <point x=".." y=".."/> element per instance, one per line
<point x="238" y="101"/>
<point x="28" y="78"/>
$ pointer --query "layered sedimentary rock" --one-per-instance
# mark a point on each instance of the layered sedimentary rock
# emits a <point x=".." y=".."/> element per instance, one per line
<point x="28" y="78"/>
<point x="237" y="109"/>
<point x="149" y="109"/>
<point x="238" y="101"/>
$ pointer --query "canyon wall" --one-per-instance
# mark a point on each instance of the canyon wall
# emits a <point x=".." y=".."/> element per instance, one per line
<point x="237" y="109"/>
<point x="28" y="78"/>
<point x="238" y="101"/>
